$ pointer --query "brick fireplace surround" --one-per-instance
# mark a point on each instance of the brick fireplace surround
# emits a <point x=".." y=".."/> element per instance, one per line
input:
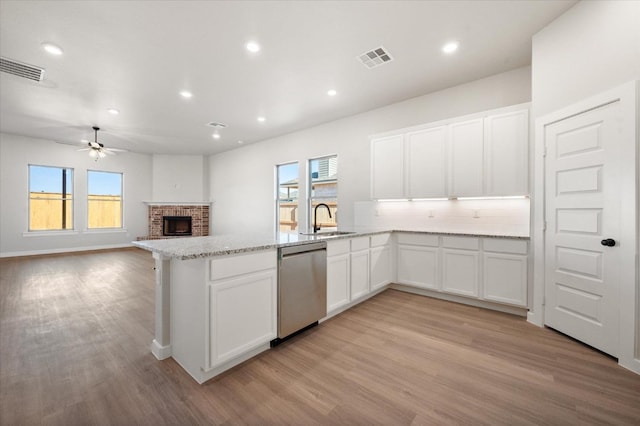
<point x="199" y="219"/>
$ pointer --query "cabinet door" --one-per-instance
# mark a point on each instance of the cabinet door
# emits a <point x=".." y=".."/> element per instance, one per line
<point x="505" y="278"/>
<point x="387" y="167"/>
<point x="381" y="267"/>
<point x="460" y="272"/>
<point x="506" y="153"/>
<point x="359" y="273"/>
<point x="242" y="314"/>
<point x="418" y="266"/>
<point x="425" y="160"/>
<point x="338" y="277"/>
<point x="465" y="158"/>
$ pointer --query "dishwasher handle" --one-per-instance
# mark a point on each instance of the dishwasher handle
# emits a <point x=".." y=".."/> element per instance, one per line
<point x="302" y="248"/>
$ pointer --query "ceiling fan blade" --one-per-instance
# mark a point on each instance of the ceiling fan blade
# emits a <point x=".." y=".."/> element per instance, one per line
<point x="108" y="151"/>
<point x="118" y="150"/>
<point x="84" y="149"/>
<point x="95" y="145"/>
<point x="72" y="143"/>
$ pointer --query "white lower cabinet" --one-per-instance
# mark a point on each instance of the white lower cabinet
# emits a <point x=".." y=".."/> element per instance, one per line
<point x="359" y="273"/>
<point x="381" y="259"/>
<point x="460" y="272"/>
<point x="338" y="279"/>
<point x="242" y="314"/>
<point x="505" y="271"/>
<point x="418" y="266"/>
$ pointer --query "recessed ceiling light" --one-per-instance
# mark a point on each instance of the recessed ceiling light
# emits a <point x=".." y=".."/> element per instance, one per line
<point x="240" y="142"/>
<point x="52" y="48"/>
<point x="252" y="47"/>
<point x="450" y="47"/>
<point x="332" y="92"/>
<point x="113" y="111"/>
<point x="216" y="136"/>
<point x="262" y="119"/>
<point x="186" y="94"/>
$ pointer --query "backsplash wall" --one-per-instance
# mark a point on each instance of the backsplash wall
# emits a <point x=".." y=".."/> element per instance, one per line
<point x="498" y="216"/>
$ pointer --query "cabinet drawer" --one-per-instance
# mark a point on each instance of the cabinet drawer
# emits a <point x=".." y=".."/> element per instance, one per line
<point x="241" y="264"/>
<point x="418" y="239"/>
<point x="335" y="248"/>
<point x="505" y="246"/>
<point x="361" y="243"/>
<point x="465" y="243"/>
<point x="380" y="240"/>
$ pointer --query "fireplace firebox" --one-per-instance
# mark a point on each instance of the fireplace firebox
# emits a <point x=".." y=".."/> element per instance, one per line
<point x="173" y="226"/>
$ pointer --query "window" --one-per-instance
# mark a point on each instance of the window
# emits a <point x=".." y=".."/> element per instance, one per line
<point x="104" y="200"/>
<point x="287" y="197"/>
<point x="323" y="183"/>
<point x="50" y="198"/>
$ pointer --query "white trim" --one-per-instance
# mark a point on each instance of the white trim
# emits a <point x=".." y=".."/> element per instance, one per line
<point x="63" y="250"/>
<point x="629" y="329"/>
<point x="106" y="231"/>
<point x="52" y="233"/>
<point x="178" y="203"/>
<point x="160" y="352"/>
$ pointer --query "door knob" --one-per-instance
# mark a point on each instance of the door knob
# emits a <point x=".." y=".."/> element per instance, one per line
<point x="609" y="242"/>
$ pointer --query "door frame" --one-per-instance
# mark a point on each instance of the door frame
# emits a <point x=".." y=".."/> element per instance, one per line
<point x="629" y="294"/>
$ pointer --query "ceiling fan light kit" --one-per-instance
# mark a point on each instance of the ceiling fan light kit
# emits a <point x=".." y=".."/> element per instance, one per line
<point x="96" y="149"/>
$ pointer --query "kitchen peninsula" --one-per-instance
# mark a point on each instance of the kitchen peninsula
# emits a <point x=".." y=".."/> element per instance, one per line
<point x="216" y="296"/>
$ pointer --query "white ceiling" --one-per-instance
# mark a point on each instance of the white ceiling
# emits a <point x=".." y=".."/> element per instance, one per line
<point x="137" y="55"/>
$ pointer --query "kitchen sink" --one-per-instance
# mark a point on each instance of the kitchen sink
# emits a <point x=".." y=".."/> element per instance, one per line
<point x="327" y="234"/>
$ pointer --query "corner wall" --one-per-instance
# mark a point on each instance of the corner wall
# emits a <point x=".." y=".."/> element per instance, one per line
<point x="242" y="180"/>
<point x="18" y="152"/>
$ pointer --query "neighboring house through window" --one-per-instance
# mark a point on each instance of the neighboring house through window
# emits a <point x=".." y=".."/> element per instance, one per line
<point x="104" y="200"/>
<point x="50" y="198"/>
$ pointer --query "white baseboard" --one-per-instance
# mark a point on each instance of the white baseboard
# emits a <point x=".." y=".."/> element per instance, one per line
<point x="63" y="250"/>
<point x="160" y="352"/>
<point x="534" y="319"/>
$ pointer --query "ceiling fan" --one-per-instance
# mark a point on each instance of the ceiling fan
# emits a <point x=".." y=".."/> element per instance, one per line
<point x="98" y="150"/>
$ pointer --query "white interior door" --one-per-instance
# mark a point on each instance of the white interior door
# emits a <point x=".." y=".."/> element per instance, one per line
<point x="582" y="196"/>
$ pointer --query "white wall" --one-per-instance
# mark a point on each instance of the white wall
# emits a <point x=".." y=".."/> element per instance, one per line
<point x="17" y="152"/>
<point x="242" y="180"/>
<point x="179" y="178"/>
<point x="591" y="48"/>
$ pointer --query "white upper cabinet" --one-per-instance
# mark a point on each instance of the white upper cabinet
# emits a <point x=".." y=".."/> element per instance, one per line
<point x="506" y="149"/>
<point x="425" y="163"/>
<point x="387" y="167"/>
<point x="485" y="154"/>
<point x="465" y="158"/>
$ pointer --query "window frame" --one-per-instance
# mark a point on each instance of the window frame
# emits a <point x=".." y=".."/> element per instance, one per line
<point x="277" y="195"/>
<point x="122" y="204"/>
<point x="70" y="229"/>
<point x="310" y="195"/>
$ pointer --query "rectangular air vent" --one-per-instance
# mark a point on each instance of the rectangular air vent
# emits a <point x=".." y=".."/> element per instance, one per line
<point x="375" y="57"/>
<point x="21" y="70"/>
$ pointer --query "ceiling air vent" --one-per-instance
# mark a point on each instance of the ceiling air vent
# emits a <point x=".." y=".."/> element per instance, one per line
<point x="375" y="57"/>
<point x="216" y="125"/>
<point x="21" y="70"/>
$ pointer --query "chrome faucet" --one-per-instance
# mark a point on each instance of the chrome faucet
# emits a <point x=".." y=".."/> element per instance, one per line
<point x="316" y="227"/>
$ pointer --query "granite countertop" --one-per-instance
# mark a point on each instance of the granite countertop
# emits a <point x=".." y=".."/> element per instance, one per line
<point x="220" y="245"/>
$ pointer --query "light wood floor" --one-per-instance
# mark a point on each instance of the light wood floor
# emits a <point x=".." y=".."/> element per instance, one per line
<point x="74" y="349"/>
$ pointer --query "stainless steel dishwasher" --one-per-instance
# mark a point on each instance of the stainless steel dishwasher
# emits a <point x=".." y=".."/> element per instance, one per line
<point x="302" y="287"/>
